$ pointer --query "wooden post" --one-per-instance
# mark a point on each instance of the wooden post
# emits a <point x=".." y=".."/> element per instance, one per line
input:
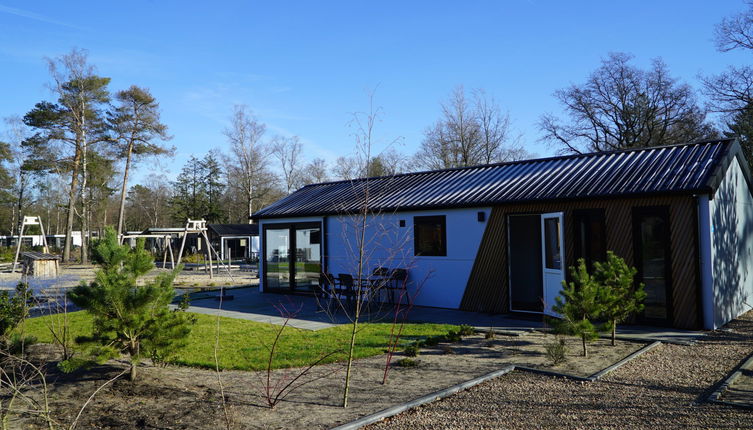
<point x="18" y="247"/>
<point x="44" y="237"/>
<point x="183" y="242"/>
<point x="209" y="252"/>
<point x="164" y="259"/>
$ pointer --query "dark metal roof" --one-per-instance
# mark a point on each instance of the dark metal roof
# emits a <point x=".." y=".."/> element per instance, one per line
<point x="688" y="168"/>
<point x="33" y="255"/>
<point x="235" y="229"/>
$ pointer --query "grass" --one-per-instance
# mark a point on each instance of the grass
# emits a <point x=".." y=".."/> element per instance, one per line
<point x="244" y="344"/>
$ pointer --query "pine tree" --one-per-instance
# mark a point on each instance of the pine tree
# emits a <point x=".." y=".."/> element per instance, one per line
<point x="189" y="199"/>
<point x="211" y="176"/>
<point x="13" y="309"/>
<point x="617" y="294"/>
<point x="579" y="305"/>
<point x="129" y="318"/>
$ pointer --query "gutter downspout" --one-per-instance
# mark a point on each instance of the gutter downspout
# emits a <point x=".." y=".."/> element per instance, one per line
<point x="705" y="254"/>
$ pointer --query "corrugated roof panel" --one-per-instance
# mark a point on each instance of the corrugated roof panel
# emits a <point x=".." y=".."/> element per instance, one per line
<point x="670" y="169"/>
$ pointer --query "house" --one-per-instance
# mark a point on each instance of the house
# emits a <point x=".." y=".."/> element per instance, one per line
<point x="499" y="238"/>
<point x="31" y="240"/>
<point x="235" y="240"/>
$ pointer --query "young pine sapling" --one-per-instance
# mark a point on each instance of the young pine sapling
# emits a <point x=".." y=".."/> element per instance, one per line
<point x="130" y="318"/>
<point x="579" y="305"/>
<point x="619" y="297"/>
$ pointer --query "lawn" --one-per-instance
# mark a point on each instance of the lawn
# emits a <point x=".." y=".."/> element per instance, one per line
<point x="244" y="344"/>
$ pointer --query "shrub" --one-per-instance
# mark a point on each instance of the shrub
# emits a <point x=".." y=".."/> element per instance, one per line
<point x="453" y="336"/>
<point x="619" y="296"/>
<point x="489" y="334"/>
<point x="556" y="351"/>
<point x="466" y="330"/>
<point x="579" y="305"/>
<point x="18" y="343"/>
<point x="433" y="340"/>
<point x="13" y="310"/>
<point x="407" y="362"/>
<point x="411" y="350"/>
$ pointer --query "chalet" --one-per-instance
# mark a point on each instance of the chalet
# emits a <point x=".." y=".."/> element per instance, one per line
<point x="499" y="238"/>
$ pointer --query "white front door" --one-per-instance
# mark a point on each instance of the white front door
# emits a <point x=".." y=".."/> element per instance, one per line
<point x="553" y="256"/>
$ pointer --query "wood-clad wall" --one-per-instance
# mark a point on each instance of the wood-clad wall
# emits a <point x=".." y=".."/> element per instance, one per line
<point x="487" y="289"/>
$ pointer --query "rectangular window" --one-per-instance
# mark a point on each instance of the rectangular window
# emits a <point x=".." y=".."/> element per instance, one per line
<point x="590" y="235"/>
<point x="430" y="236"/>
<point x="552" y="243"/>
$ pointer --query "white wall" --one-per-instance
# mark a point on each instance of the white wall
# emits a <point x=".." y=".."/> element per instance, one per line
<point x="731" y="214"/>
<point x="434" y="281"/>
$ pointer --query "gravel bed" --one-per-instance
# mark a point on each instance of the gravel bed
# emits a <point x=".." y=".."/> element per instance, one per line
<point x="664" y="388"/>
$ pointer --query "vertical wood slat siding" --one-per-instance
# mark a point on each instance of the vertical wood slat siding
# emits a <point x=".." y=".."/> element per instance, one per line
<point x="487" y="289"/>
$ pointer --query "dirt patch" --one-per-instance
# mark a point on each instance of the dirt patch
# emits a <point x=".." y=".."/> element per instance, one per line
<point x="180" y="397"/>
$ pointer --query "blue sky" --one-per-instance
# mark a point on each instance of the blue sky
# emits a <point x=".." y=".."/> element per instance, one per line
<point x="305" y="67"/>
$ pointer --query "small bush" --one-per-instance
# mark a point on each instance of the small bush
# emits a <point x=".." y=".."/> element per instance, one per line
<point x="453" y="336"/>
<point x="407" y="362"/>
<point x="17" y="343"/>
<point x="411" y="350"/>
<point x="466" y="330"/>
<point x="433" y="340"/>
<point x="489" y="334"/>
<point x="556" y="351"/>
<point x="75" y="363"/>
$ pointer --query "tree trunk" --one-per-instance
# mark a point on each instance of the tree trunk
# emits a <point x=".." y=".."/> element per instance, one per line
<point x="614" y="331"/>
<point x="85" y="232"/>
<point x="71" y="207"/>
<point x="132" y="374"/>
<point x="585" y="347"/>
<point x="84" y="186"/>
<point x="121" y="211"/>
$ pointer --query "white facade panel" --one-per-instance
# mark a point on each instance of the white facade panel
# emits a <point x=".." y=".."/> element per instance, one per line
<point x="437" y="281"/>
<point x="731" y="213"/>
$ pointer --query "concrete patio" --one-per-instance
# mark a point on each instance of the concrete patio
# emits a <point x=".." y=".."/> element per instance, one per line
<point x="250" y="304"/>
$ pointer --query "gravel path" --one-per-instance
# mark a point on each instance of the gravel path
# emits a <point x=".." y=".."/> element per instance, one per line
<point x="665" y="388"/>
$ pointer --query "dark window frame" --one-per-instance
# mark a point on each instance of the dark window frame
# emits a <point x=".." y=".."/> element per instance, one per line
<point x="588" y="214"/>
<point x="663" y="212"/>
<point x="292" y="258"/>
<point x="430" y="219"/>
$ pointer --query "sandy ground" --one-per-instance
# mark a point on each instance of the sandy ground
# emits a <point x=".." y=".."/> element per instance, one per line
<point x="181" y="398"/>
<point x="72" y="275"/>
<point x="665" y="388"/>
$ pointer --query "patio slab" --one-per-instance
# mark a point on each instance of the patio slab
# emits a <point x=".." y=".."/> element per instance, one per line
<point x="250" y="304"/>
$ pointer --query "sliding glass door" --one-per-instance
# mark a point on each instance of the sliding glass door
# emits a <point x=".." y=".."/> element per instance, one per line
<point x="277" y="258"/>
<point x="292" y="256"/>
<point x="308" y="262"/>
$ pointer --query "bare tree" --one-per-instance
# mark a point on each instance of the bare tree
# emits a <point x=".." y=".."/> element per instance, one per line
<point x="346" y="168"/>
<point x="250" y="155"/>
<point x="469" y="133"/>
<point x="622" y="106"/>
<point x="19" y="175"/>
<point x="389" y="162"/>
<point x="136" y="122"/>
<point x="731" y="92"/>
<point x="316" y="172"/>
<point x="287" y="150"/>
